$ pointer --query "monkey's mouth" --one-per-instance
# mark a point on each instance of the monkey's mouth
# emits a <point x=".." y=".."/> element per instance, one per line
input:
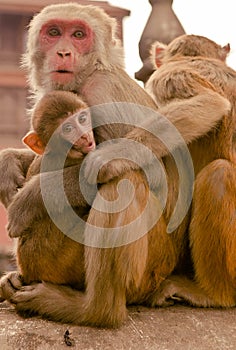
<point x="63" y="71"/>
<point x="62" y="76"/>
<point x="84" y="148"/>
<point x="77" y="151"/>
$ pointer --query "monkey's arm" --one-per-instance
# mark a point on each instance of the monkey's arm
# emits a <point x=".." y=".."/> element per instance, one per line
<point x="13" y="167"/>
<point x="43" y="192"/>
<point x="191" y="118"/>
<point x="186" y="118"/>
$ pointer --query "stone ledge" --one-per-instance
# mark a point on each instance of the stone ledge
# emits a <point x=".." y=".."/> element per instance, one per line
<point x="174" y="328"/>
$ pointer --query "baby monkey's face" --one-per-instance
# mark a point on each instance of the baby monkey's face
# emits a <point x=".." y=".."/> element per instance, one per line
<point x="77" y="130"/>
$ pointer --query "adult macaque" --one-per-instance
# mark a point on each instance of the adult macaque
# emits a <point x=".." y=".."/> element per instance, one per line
<point x="194" y="64"/>
<point x="190" y="70"/>
<point x="62" y="134"/>
<point x="73" y="47"/>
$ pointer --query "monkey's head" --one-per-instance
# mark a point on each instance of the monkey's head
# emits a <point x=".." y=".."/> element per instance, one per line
<point x="61" y="121"/>
<point x="188" y="45"/>
<point x="66" y="43"/>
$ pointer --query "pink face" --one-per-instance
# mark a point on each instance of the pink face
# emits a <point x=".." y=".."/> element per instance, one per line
<point x="63" y="43"/>
<point x="77" y="130"/>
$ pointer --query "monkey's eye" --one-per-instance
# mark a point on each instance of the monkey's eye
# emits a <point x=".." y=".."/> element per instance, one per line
<point x="54" y="31"/>
<point x="79" y="34"/>
<point x="67" y="128"/>
<point x="82" y="118"/>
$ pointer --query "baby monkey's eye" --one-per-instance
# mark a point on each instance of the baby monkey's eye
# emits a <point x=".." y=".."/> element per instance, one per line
<point x="67" y="128"/>
<point x="82" y="118"/>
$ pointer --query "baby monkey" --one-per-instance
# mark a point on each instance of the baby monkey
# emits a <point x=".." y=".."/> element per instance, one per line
<point x="61" y="123"/>
<point x="62" y="134"/>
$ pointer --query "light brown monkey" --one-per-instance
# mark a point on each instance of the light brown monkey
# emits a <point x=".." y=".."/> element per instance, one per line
<point x="61" y="123"/>
<point x="190" y="70"/>
<point x="73" y="47"/>
<point x="186" y="63"/>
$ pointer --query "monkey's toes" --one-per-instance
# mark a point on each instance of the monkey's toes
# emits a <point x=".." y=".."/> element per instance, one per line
<point x="30" y="300"/>
<point x="93" y="164"/>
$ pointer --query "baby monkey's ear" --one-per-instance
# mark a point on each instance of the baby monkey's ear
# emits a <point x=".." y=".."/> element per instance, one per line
<point x="33" y="141"/>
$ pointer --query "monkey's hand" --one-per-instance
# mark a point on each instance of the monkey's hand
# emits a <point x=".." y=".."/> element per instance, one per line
<point x="26" y="207"/>
<point x="13" y="166"/>
<point x="115" y="158"/>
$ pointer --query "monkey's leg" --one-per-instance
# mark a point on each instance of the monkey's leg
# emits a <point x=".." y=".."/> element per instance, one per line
<point x="111" y="272"/>
<point x="116" y="271"/>
<point x="212" y="231"/>
<point x="212" y="240"/>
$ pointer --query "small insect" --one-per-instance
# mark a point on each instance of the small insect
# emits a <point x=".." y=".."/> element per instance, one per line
<point x="68" y="340"/>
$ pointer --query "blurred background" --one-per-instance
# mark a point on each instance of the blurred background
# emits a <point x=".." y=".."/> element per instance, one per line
<point x="140" y="22"/>
<point x="212" y="18"/>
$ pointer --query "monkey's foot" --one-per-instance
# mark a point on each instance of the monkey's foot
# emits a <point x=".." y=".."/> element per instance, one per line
<point x="61" y="303"/>
<point x="182" y="289"/>
<point x="166" y="295"/>
<point x="48" y="300"/>
<point x="9" y="284"/>
<point x="28" y="299"/>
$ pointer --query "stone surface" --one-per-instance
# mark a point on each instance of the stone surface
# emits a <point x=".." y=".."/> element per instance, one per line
<point x="174" y="328"/>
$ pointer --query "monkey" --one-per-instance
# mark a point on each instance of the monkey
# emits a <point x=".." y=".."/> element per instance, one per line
<point x="100" y="76"/>
<point x="54" y="119"/>
<point x="187" y="69"/>
<point x="211" y="231"/>
<point x="73" y="47"/>
<point x="60" y="121"/>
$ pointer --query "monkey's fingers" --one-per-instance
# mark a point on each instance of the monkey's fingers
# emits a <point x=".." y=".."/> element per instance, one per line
<point x="115" y="168"/>
<point x="11" y="188"/>
<point x="93" y="162"/>
<point x="12" y="231"/>
<point x="100" y="170"/>
<point x="17" y="224"/>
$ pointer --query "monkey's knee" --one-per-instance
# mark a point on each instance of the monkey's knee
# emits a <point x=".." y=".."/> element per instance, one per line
<point x="218" y="178"/>
<point x="214" y="197"/>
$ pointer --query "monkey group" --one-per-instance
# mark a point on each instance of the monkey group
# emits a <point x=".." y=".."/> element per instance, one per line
<point x="74" y="48"/>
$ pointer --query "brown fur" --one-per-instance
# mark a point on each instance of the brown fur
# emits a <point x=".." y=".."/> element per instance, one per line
<point x="179" y="82"/>
<point x="133" y="272"/>
<point x="42" y="239"/>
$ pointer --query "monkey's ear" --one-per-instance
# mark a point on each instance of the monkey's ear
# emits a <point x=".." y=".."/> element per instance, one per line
<point x="157" y="53"/>
<point x="225" y="50"/>
<point x="33" y="141"/>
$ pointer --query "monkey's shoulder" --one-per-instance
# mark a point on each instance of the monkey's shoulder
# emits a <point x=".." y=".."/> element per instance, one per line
<point x="187" y="74"/>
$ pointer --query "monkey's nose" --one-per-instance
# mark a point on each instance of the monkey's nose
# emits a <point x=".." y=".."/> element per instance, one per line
<point x="63" y="54"/>
<point x="86" y="136"/>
